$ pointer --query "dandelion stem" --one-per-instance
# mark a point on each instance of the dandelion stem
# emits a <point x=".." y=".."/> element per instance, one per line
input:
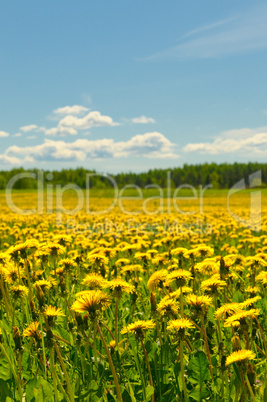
<point x="206" y="344"/>
<point x="148" y="368"/>
<point x="116" y="321"/>
<point x="43" y="347"/>
<point x="182" y="369"/>
<point x="250" y="389"/>
<point x="10" y="313"/>
<point x="115" y="378"/>
<point x="182" y="302"/>
<point x="54" y="375"/>
<point x="70" y="391"/>
<point x="262" y="335"/>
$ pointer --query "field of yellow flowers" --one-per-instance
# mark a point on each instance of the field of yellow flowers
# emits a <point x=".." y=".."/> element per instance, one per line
<point x="132" y="306"/>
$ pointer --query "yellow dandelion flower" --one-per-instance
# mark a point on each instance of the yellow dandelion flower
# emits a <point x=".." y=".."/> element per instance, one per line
<point x="240" y="356"/>
<point x="133" y="268"/>
<point x="253" y="290"/>
<point x="122" y="261"/>
<point x="250" y="302"/>
<point x="179" y="326"/>
<point x="68" y="264"/>
<point x="118" y="286"/>
<point x="138" y="328"/>
<point x="97" y="259"/>
<point x="205" y="251"/>
<point x="208" y="266"/>
<point x="12" y="273"/>
<point x="19" y="291"/>
<point x="213" y="284"/>
<point x="44" y="284"/>
<point x="4" y="258"/>
<point x="168" y="307"/>
<point x="226" y="310"/>
<point x="51" y="311"/>
<point x="53" y="249"/>
<point x="180" y="276"/>
<point x="254" y="261"/>
<point x="232" y="259"/>
<point x="92" y="302"/>
<point x="94" y="281"/>
<point x="262" y="277"/>
<point x="157" y="279"/>
<point x="240" y="317"/>
<point x="199" y="303"/>
<point x="32" y="331"/>
<point x="180" y="252"/>
<point x="109" y="252"/>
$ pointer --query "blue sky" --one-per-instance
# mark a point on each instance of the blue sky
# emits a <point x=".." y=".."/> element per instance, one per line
<point x="132" y="85"/>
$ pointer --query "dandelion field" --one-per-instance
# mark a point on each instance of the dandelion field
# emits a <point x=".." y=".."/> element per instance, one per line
<point x="167" y="306"/>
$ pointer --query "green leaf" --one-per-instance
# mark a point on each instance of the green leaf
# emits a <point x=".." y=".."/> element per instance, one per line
<point x="5" y="371"/>
<point x="63" y="334"/>
<point x="198" y="394"/>
<point x="39" y="390"/>
<point x="198" y="367"/>
<point x="199" y="373"/>
<point x="5" y="390"/>
<point x="149" y="392"/>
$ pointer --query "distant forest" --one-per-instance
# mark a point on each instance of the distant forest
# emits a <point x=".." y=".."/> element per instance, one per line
<point x="218" y="175"/>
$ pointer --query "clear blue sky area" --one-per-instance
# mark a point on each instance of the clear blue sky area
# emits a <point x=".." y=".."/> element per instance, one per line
<point x="132" y="85"/>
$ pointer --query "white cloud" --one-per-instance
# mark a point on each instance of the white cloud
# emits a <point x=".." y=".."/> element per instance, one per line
<point x="9" y="160"/>
<point x="62" y="131"/>
<point x="17" y="135"/>
<point x="148" y="145"/>
<point x="143" y="120"/>
<point x="4" y="134"/>
<point x="76" y="110"/>
<point x="92" y="119"/>
<point x="243" y="33"/>
<point x="28" y="128"/>
<point x="70" y="124"/>
<point x="248" y="141"/>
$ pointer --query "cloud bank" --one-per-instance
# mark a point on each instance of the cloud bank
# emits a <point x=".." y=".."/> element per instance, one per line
<point x="148" y="145"/>
<point x="247" y="141"/>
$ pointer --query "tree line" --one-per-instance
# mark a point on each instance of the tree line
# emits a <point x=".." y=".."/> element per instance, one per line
<point x="223" y="175"/>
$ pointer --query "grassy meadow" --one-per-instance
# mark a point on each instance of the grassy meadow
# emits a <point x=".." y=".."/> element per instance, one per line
<point x="136" y="298"/>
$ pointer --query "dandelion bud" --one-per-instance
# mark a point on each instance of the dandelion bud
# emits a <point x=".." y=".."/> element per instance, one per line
<point x="133" y="297"/>
<point x="78" y="339"/>
<point x="153" y="302"/>
<point x="112" y="346"/>
<point x="78" y="319"/>
<point x="40" y="295"/>
<point x="71" y="325"/>
<point x="17" y="338"/>
<point x="251" y="375"/>
<point x="62" y="284"/>
<point x="103" y="270"/>
<point x="32" y="305"/>
<point x="221" y="347"/>
<point x="236" y="343"/>
<point x="223" y="361"/>
<point x="49" y="338"/>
